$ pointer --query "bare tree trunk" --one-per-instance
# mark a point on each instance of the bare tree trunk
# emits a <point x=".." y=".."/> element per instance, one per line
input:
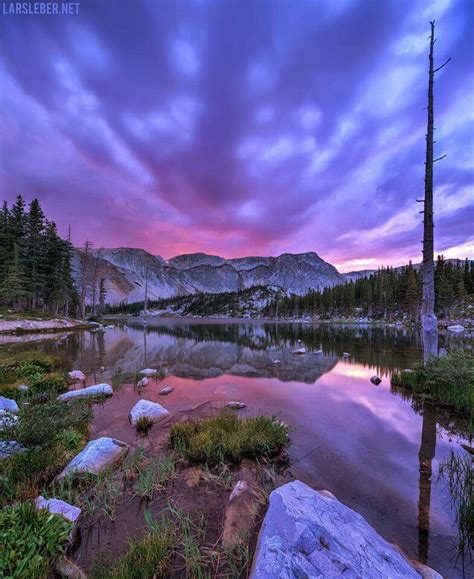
<point x="145" y="308"/>
<point x="84" y="276"/>
<point x="429" y="323"/>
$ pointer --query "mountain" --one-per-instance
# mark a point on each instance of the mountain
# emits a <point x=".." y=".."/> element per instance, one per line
<point x="125" y="271"/>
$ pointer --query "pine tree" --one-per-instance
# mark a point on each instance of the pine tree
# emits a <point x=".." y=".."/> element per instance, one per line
<point x="14" y="288"/>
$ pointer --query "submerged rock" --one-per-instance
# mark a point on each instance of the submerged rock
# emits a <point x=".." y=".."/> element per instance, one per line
<point x="8" y="405"/>
<point x="307" y="533"/>
<point x="376" y="380"/>
<point x="149" y="372"/>
<point x="235" y="405"/>
<point x="166" y="390"/>
<point x="58" y="507"/>
<point x="96" y="456"/>
<point x="90" y="391"/>
<point x="9" y="448"/>
<point x="77" y="375"/>
<point x="147" y="409"/>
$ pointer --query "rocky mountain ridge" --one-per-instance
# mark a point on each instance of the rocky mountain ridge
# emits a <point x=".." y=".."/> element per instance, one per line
<point x="125" y="271"/>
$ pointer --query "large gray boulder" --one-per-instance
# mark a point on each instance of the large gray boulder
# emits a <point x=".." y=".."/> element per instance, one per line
<point x="307" y="533"/>
<point x="8" y="405"/>
<point x="89" y="392"/>
<point x="147" y="409"/>
<point x="97" y="456"/>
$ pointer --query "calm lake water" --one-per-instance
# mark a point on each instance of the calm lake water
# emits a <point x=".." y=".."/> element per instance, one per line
<point x="376" y="450"/>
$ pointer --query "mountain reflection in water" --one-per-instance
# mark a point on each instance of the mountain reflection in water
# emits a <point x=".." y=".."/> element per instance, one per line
<point x="373" y="447"/>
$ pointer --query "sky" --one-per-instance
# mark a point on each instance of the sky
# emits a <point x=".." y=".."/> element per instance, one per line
<point x="242" y="127"/>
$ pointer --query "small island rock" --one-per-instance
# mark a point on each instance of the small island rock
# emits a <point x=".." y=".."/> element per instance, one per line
<point x="166" y="390"/>
<point x="90" y="391"/>
<point x="376" y="380"/>
<point x="147" y="409"/>
<point x="235" y="405"/>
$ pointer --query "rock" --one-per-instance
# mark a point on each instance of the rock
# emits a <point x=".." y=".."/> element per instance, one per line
<point x="58" y="507"/>
<point x="235" y="405"/>
<point x="346" y="355"/>
<point x="166" y="390"/>
<point x="456" y="329"/>
<point x="307" y="533"/>
<point x="110" y="327"/>
<point x="318" y="352"/>
<point x="442" y="352"/>
<point x="147" y="409"/>
<point x="22" y="387"/>
<point x="77" y="375"/>
<point x="97" y="455"/>
<point x="277" y="361"/>
<point x="376" y="380"/>
<point x="408" y="371"/>
<point x="149" y="372"/>
<point x="7" y="419"/>
<point x="143" y="382"/>
<point x="8" y="405"/>
<point x="241" y="514"/>
<point x="299" y="351"/>
<point x="102" y="369"/>
<point x="67" y="568"/>
<point x="9" y="448"/>
<point x="90" y="391"/>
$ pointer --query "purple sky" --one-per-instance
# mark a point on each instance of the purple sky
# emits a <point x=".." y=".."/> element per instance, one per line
<point x="242" y="127"/>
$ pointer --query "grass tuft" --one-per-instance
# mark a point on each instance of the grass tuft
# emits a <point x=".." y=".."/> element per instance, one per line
<point x="228" y="438"/>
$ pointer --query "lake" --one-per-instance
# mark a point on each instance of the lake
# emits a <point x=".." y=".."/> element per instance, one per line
<point x="371" y="446"/>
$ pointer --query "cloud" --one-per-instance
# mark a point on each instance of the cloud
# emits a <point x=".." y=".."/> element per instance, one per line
<point x="184" y="57"/>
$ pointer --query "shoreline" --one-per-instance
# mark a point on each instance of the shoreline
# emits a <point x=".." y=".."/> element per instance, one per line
<point x="22" y="326"/>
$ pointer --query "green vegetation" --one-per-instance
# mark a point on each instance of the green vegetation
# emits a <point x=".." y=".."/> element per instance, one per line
<point x="31" y="541"/>
<point x="35" y="263"/>
<point x="388" y="293"/>
<point x="445" y="380"/>
<point x="154" y="475"/>
<point x="51" y="431"/>
<point x="227" y="437"/>
<point x="143" y="425"/>
<point x="458" y="474"/>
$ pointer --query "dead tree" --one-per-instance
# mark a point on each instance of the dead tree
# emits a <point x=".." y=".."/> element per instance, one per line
<point x="85" y="277"/>
<point x="145" y="302"/>
<point x="429" y="322"/>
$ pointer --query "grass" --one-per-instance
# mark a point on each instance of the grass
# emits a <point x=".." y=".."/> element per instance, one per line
<point x="143" y="424"/>
<point x="154" y="475"/>
<point x="458" y="474"/>
<point x="31" y="541"/>
<point x="228" y="438"/>
<point x="447" y="380"/>
<point x="52" y="432"/>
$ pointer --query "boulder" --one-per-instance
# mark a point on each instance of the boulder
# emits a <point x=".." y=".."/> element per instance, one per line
<point x="299" y="351"/>
<point x="147" y="409"/>
<point x="8" y="405"/>
<point x="77" y="375"/>
<point x="235" y="405"/>
<point x="376" y="380"/>
<point x="166" y="390"/>
<point x="143" y="382"/>
<point x="9" y="448"/>
<point x="456" y="329"/>
<point x="97" y="455"/>
<point x="7" y="419"/>
<point x="90" y="391"/>
<point x="307" y="533"/>
<point x="58" y="507"/>
<point x="149" y="372"/>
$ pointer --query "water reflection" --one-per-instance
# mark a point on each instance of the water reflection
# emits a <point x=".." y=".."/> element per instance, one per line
<point x="376" y="450"/>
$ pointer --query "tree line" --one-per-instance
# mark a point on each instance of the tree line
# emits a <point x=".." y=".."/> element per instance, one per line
<point x="35" y="262"/>
<point x="384" y="294"/>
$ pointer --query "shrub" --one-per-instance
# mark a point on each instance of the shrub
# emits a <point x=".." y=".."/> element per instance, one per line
<point x="31" y="540"/>
<point x="447" y="380"/>
<point x="229" y="438"/>
<point x="143" y="424"/>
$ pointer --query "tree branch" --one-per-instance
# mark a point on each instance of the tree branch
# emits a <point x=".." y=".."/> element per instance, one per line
<point x="442" y="66"/>
<point x="439" y="158"/>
